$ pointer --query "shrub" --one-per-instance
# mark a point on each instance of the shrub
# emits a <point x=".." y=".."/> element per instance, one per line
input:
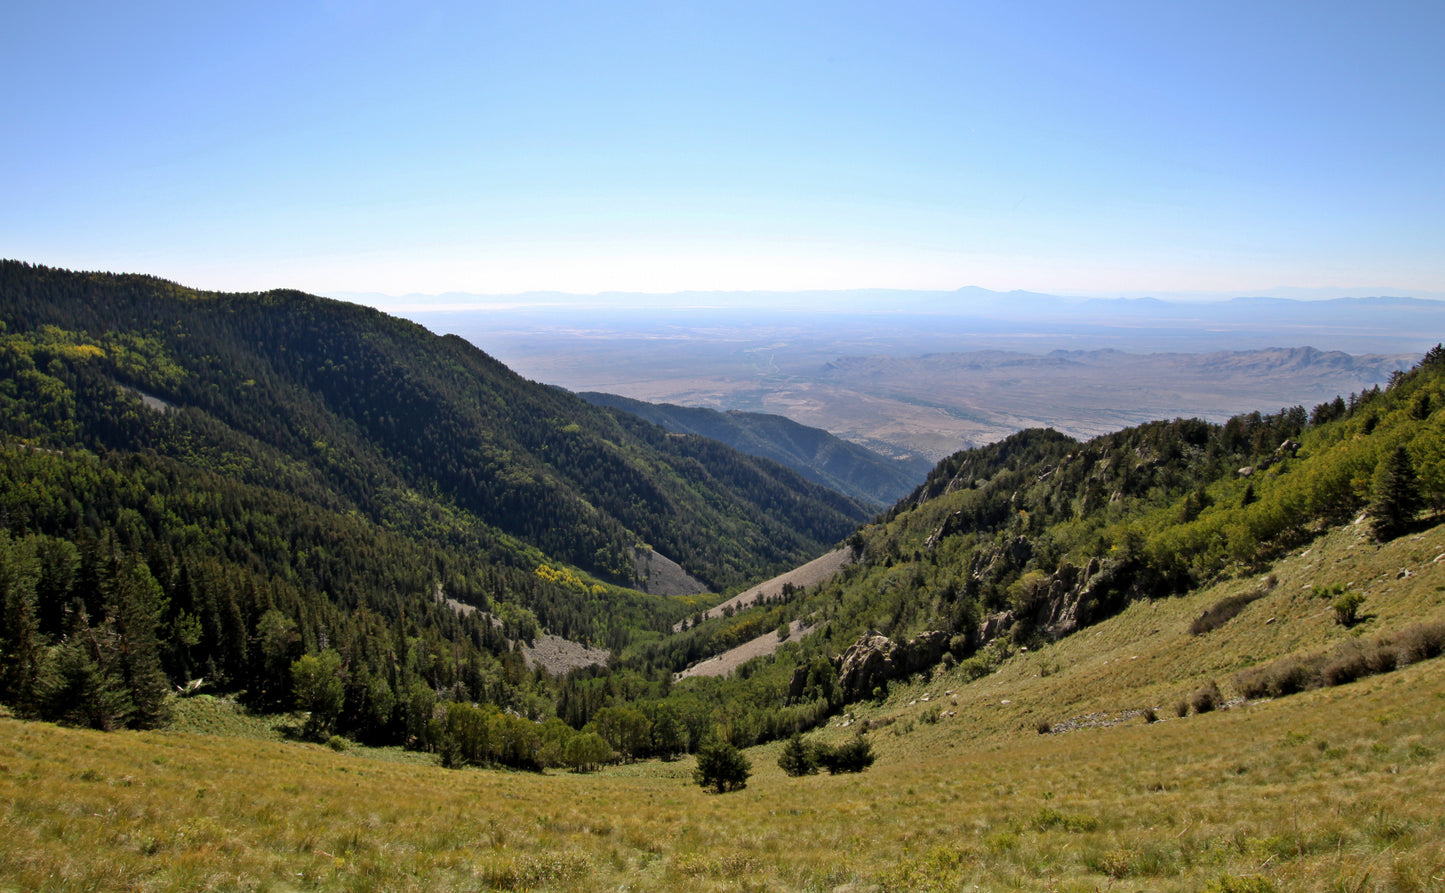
<point x="336" y="743"/>
<point x="1045" y="727"/>
<point x="722" y="767"/>
<point x="1293" y="676"/>
<point x="855" y="756"/>
<point x="1182" y="708"/>
<point x="1347" y="608"/>
<point x="1206" y="698"/>
<point x="1150" y="715"/>
<point x="1356" y="660"/>
<point x="1421" y="641"/>
<point x="1048" y="818"/>
<point x="1345" y="667"/>
<point x="1350" y="661"/>
<point x="1220" y="613"/>
<point x="1285" y="676"/>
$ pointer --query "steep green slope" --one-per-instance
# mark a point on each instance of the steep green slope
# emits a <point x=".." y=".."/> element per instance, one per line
<point x="360" y="410"/>
<point x="815" y="454"/>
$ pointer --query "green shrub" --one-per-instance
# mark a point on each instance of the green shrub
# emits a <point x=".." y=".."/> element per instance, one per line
<point x="855" y="756"/>
<point x="1048" y="819"/>
<point x="1347" y="608"/>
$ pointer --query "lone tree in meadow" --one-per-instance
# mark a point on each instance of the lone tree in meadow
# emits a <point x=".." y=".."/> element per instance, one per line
<point x="1396" y="496"/>
<point x="722" y="767"/>
<point x="798" y="758"/>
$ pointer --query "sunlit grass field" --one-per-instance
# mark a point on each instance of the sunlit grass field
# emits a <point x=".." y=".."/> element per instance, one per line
<point x="1336" y="789"/>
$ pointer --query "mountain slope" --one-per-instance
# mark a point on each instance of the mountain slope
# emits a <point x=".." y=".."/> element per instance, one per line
<point x="365" y="411"/>
<point x="812" y="452"/>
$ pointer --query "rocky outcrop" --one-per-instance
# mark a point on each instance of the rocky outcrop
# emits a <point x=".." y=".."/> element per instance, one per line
<point x="952" y="525"/>
<point x="1074" y="597"/>
<point x="1286" y="450"/>
<point x="875" y="660"/>
<point x="1070" y="598"/>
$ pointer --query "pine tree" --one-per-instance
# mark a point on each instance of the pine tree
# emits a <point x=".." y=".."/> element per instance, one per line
<point x="21" y="648"/>
<point x="85" y="687"/>
<point x="136" y="604"/>
<point x="722" y="767"/>
<point x="797" y="758"/>
<point x="1396" y="496"/>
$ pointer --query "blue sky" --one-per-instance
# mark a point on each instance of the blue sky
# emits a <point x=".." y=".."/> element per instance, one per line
<point x="497" y="148"/>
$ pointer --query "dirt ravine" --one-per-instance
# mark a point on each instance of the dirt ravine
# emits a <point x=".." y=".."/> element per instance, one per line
<point x="725" y="663"/>
<point x="815" y="571"/>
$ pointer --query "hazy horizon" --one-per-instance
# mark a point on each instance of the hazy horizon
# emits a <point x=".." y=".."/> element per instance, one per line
<point x="814" y="299"/>
<point x="504" y="148"/>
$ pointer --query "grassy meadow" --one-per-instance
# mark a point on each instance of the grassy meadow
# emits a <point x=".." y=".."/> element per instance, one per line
<point x="1338" y="788"/>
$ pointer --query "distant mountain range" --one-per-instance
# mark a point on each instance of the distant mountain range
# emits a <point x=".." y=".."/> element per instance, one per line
<point x="896" y="321"/>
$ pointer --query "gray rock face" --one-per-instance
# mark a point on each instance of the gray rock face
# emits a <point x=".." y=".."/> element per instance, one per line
<point x="875" y="660"/>
<point x="866" y="664"/>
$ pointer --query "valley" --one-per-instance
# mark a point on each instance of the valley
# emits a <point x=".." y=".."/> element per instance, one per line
<point x="346" y="604"/>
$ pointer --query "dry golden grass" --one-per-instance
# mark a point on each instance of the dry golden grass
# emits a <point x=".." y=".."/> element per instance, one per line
<point x="1335" y="789"/>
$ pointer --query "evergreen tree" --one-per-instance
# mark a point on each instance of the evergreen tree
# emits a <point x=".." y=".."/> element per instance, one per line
<point x="21" y="647"/>
<point x="136" y="604"/>
<point x="85" y="687"/>
<point x="1396" y="496"/>
<point x="722" y="767"/>
<point x="797" y="758"/>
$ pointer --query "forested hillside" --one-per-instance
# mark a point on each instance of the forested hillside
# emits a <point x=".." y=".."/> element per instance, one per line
<point x="812" y="452"/>
<point x="198" y="485"/>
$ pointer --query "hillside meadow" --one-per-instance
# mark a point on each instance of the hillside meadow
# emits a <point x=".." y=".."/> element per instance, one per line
<point x="1336" y="788"/>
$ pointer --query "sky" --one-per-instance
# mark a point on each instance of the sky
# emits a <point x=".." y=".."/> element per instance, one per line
<point x="586" y="147"/>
